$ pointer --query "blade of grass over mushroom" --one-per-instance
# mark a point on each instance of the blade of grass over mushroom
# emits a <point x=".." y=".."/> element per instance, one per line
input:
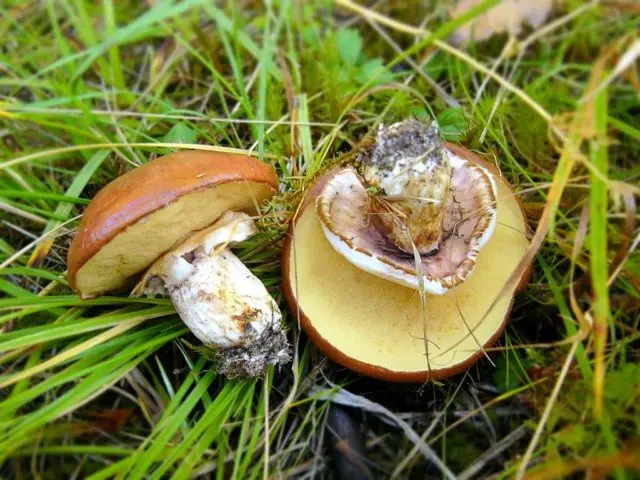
<point x="75" y="148"/>
<point x="580" y="129"/>
<point x="598" y="247"/>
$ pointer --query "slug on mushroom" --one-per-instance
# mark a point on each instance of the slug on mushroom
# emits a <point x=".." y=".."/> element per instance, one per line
<point x="412" y="214"/>
<point x="173" y="220"/>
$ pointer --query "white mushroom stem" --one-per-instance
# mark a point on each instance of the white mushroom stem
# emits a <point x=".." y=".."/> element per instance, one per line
<point x="220" y="300"/>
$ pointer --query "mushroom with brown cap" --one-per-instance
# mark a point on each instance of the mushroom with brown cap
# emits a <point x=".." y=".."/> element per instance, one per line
<point x="413" y="215"/>
<point x="173" y="220"/>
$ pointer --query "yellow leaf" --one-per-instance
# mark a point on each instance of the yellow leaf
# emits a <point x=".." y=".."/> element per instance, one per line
<point x="507" y="17"/>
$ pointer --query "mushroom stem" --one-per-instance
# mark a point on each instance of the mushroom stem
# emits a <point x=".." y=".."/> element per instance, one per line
<point x="229" y="309"/>
<point x="225" y="306"/>
<point x="410" y="166"/>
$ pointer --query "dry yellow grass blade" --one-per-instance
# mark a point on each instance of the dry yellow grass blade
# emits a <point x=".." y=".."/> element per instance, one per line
<point x="97" y="146"/>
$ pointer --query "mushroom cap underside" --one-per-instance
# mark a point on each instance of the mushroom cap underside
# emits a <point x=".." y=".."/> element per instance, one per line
<point x="175" y="266"/>
<point x="148" y="211"/>
<point x="468" y="222"/>
<point x="377" y="327"/>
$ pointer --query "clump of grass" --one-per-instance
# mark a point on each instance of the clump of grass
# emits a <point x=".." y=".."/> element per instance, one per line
<point x="111" y="386"/>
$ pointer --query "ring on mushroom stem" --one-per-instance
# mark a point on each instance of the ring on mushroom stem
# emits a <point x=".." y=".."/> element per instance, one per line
<point x="346" y="271"/>
<point x="173" y="220"/>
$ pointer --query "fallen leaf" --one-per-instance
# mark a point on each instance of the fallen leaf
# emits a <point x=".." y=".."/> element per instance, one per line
<point x="509" y="16"/>
<point x="110" y="420"/>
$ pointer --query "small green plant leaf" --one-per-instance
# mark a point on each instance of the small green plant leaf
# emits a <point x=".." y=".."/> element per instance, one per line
<point x="573" y="436"/>
<point x="452" y="123"/>
<point x="349" y="45"/>
<point x="374" y="69"/>
<point x="180" y="133"/>
<point x="420" y="113"/>
<point x="510" y="372"/>
<point x="621" y="385"/>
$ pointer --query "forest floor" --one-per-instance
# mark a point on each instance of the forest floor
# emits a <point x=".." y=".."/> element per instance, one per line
<point x="112" y="387"/>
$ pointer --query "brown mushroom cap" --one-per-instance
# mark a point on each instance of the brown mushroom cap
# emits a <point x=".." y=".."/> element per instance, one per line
<point x="376" y="327"/>
<point x="147" y="211"/>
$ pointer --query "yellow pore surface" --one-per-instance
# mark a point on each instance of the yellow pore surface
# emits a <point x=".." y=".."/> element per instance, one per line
<point x="382" y="323"/>
<point x="134" y="250"/>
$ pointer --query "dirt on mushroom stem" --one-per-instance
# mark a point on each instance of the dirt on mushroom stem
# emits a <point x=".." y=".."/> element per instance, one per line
<point x="231" y="312"/>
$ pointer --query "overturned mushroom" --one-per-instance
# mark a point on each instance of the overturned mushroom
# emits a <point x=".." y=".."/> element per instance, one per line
<point x="174" y="218"/>
<point x="412" y="215"/>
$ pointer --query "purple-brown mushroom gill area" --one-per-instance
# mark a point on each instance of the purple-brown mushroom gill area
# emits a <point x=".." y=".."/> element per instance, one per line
<point x="356" y="230"/>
